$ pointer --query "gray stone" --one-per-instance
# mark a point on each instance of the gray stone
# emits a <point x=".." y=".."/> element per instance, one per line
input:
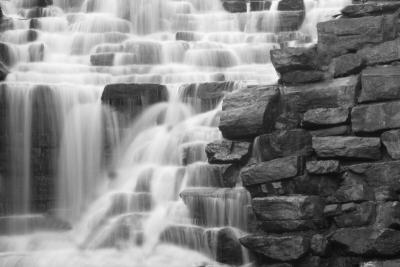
<point x="3" y="71"/>
<point x="302" y="76"/>
<point x="333" y="131"/>
<point x="357" y="215"/>
<point x="368" y="241"/>
<point x="382" y="53"/>
<point x="388" y="215"/>
<point x="291" y="5"/>
<point x="292" y="59"/>
<point x="329" y="94"/>
<point x="347" y="147"/>
<point x="319" y="244"/>
<point x="323" y="167"/>
<point x="378" y="174"/>
<point x="352" y="189"/>
<point x="281" y="208"/>
<point x="391" y="140"/>
<point x="281" y="248"/>
<point x="348" y="34"/>
<point x="388" y="263"/>
<point x="376" y="117"/>
<point x="347" y="65"/>
<point x="249" y="112"/>
<point x="296" y="142"/>
<point x="325" y="117"/>
<point x="367" y="9"/>
<point x="380" y="83"/>
<point x="270" y="171"/>
<point x="228" y="152"/>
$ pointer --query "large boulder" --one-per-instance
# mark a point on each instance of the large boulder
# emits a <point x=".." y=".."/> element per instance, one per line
<point x="391" y="140"/>
<point x="295" y="58"/>
<point x="271" y="171"/>
<point x="345" y="35"/>
<point x="368" y="241"/>
<point x="131" y="99"/>
<point x="339" y="92"/>
<point x="228" y="152"/>
<point x="295" y="142"/>
<point x="249" y="112"/>
<point x="380" y="83"/>
<point x="347" y="147"/>
<point x="356" y="215"/>
<point x="376" y="117"/>
<point x="281" y="248"/>
<point x="352" y="189"/>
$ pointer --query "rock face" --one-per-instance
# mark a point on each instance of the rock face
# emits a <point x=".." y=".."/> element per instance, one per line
<point x="347" y="65"/>
<point x="380" y="83"/>
<point x="367" y="241"/>
<point x="295" y="142"/>
<point x="249" y="112"/>
<point x="325" y="117"/>
<point x="349" y="34"/>
<point x="270" y="171"/>
<point x="381" y="53"/>
<point x="376" y="117"/>
<point x="285" y="248"/>
<point x="368" y="9"/>
<point x="227" y="152"/>
<point x="391" y="140"/>
<point x="323" y="167"/>
<point x="347" y="147"/>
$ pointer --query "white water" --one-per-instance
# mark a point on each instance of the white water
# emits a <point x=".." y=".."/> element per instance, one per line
<point x="124" y="203"/>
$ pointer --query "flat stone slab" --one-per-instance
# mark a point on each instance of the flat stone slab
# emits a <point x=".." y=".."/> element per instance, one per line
<point x="270" y="171"/>
<point x="347" y="147"/>
<point x="380" y="83"/>
<point x="391" y="140"/>
<point x="323" y="167"/>
<point x="376" y="117"/>
<point x="325" y="117"/>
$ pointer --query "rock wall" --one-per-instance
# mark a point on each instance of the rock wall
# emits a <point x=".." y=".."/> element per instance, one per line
<point x="324" y="174"/>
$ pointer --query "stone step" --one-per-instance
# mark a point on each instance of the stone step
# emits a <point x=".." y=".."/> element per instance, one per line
<point x="202" y="174"/>
<point x="129" y="202"/>
<point x="220" y="243"/>
<point x="28" y="224"/>
<point x="214" y="207"/>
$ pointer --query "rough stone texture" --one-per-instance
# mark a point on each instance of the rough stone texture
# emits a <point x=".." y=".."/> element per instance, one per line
<point x="368" y="241"/>
<point x="353" y="215"/>
<point x="380" y="83"/>
<point x="287" y="208"/>
<point x="319" y="244"/>
<point x="347" y="147"/>
<point x="301" y="77"/>
<point x="329" y="94"/>
<point x="227" y="152"/>
<point x="376" y="117"/>
<point x="325" y="117"/>
<point x="289" y="21"/>
<point x="347" y="65"/>
<point x="291" y="59"/>
<point x="249" y="112"/>
<point x="352" y="189"/>
<point x="368" y="9"/>
<point x="349" y="34"/>
<point x="131" y="99"/>
<point x="281" y="248"/>
<point x="381" y="53"/>
<point x="323" y="167"/>
<point x="378" y="174"/>
<point x="296" y="142"/>
<point x="388" y="215"/>
<point x="274" y="170"/>
<point x="389" y="263"/>
<point x="391" y="140"/>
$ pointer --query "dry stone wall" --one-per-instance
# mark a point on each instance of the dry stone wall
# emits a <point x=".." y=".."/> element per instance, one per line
<point x="323" y="174"/>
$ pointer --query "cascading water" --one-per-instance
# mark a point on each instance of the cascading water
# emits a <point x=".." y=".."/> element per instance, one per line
<point x="126" y="190"/>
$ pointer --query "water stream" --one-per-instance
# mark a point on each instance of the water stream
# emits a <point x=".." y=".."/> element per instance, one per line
<point x="148" y="197"/>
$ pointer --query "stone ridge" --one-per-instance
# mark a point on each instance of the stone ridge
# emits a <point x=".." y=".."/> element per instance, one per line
<point x="324" y="174"/>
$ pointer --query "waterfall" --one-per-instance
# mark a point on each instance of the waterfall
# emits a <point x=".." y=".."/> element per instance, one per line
<point x="86" y="184"/>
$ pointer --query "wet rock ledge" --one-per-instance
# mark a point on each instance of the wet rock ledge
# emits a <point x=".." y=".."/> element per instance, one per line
<point x="324" y="174"/>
